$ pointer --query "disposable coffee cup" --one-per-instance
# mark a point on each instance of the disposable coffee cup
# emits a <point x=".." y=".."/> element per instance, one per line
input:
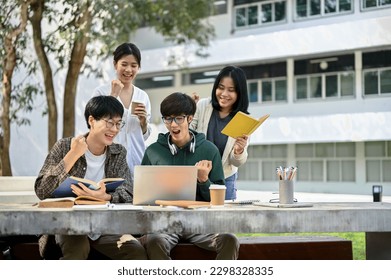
<point x="285" y="192"/>
<point x="134" y="105"/>
<point x="217" y="194"/>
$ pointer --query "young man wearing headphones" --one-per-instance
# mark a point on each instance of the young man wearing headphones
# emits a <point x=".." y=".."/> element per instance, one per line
<point x="182" y="146"/>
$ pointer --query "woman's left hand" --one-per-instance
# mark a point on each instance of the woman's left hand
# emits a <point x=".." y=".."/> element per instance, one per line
<point x="141" y="112"/>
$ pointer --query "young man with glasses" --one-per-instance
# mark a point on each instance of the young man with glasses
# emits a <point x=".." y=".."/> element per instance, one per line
<point x="92" y="156"/>
<point x="182" y="146"/>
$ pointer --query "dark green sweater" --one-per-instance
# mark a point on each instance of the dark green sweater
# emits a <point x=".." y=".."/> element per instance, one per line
<point x="159" y="153"/>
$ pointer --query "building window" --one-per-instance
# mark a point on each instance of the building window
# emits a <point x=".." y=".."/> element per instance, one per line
<point x="334" y="85"/>
<point x="271" y="90"/>
<point x="329" y="162"/>
<point x="370" y="4"/>
<point x="262" y="162"/>
<point x="197" y="78"/>
<point x="318" y="8"/>
<point x="219" y="7"/>
<point x="377" y="73"/>
<point x="267" y="82"/>
<point x="155" y="82"/>
<point x="253" y="91"/>
<point x="377" y="82"/>
<point x="258" y="13"/>
<point x="378" y="161"/>
<point x="330" y="77"/>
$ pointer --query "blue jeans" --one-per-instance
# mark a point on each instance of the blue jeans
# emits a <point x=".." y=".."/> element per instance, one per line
<point x="230" y="183"/>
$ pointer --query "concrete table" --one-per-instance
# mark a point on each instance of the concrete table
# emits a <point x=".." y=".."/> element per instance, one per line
<point x="372" y="218"/>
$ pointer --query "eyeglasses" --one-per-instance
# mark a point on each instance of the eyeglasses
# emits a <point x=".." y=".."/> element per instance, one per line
<point x="110" y="124"/>
<point x="177" y="120"/>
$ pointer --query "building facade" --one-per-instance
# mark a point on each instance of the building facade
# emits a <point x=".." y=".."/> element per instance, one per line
<point x="320" y="68"/>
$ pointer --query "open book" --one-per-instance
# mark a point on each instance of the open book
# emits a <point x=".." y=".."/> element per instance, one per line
<point x="241" y="124"/>
<point x="68" y="202"/>
<point x="64" y="189"/>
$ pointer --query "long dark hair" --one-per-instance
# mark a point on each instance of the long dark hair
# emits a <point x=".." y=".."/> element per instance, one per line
<point x="127" y="49"/>
<point x="240" y="82"/>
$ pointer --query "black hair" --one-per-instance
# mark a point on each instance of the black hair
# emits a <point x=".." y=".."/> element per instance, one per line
<point x="177" y="104"/>
<point x="240" y="82"/>
<point x="127" y="49"/>
<point x="103" y="106"/>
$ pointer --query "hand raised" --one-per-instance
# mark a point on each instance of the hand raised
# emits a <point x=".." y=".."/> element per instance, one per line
<point x="195" y="97"/>
<point x="203" y="169"/>
<point x="79" y="145"/>
<point x="116" y="87"/>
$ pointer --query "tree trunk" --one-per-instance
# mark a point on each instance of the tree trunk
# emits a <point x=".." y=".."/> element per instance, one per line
<point x="36" y="19"/>
<point x="9" y="63"/>
<point x="79" y="51"/>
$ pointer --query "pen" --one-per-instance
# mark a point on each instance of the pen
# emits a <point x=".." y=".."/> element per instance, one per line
<point x="293" y="172"/>
<point x="280" y="173"/>
<point x="286" y="173"/>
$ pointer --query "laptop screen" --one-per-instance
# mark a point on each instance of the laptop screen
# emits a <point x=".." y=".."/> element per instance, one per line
<point x="164" y="182"/>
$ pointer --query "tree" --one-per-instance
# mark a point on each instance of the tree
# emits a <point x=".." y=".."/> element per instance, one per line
<point x="37" y="7"/>
<point x="12" y="29"/>
<point x="81" y="26"/>
<point x="79" y="29"/>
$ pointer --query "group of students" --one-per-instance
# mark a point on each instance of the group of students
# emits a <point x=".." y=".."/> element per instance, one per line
<point x="115" y="143"/>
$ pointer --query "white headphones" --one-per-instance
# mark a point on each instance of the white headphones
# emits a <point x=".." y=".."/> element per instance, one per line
<point x="174" y="148"/>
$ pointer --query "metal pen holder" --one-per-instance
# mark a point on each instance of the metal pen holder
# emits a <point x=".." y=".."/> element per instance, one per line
<point x="285" y="192"/>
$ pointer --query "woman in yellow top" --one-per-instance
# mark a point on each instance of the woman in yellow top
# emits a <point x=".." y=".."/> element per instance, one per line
<point x="229" y="95"/>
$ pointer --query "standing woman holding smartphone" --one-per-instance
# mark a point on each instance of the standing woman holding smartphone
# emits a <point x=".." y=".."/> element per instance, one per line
<point x="136" y="103"/>
<point x="229" y="95"/>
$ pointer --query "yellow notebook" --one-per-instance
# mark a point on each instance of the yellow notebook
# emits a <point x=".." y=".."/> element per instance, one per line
<point x="241" y="124"/>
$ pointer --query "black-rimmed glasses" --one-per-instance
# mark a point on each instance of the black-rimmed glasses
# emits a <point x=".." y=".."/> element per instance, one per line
<point x="177" y="120"/>
<point x="110" y="124"/>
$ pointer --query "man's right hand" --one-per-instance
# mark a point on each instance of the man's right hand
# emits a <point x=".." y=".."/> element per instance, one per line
<point x="79" y="145"/>
<point x="78" y="148"/>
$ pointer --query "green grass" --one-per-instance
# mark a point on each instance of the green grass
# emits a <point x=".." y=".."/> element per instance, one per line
<point x="357" y="238"/>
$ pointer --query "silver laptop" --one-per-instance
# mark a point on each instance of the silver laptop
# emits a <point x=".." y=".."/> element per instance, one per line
<point x="165" y="182"/>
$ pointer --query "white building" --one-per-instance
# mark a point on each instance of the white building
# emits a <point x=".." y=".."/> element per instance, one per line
<point x="320" y="68"/>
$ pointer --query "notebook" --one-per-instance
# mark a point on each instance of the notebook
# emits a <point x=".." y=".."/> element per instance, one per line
<point x="164" y="182"/>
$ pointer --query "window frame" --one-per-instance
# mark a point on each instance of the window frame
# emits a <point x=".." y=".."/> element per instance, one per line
<point x="379" y="5"/>
<point x="323" y="77"/>
<point x="260" y="93"/>
<point x="322" y="10"/>
<point x="382" y="159"/>
<point x="259" y="7"/>
<point x="378" y="84"/>
<point x="313" y="158"/>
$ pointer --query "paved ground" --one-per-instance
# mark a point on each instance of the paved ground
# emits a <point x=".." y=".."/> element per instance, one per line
<point x="265" y="196"/>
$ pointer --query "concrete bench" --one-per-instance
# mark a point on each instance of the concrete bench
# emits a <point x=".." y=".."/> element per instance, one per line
<point x="251" y="248"/>
<point x="277" y="248"/>
<point x="17" y="189"/>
